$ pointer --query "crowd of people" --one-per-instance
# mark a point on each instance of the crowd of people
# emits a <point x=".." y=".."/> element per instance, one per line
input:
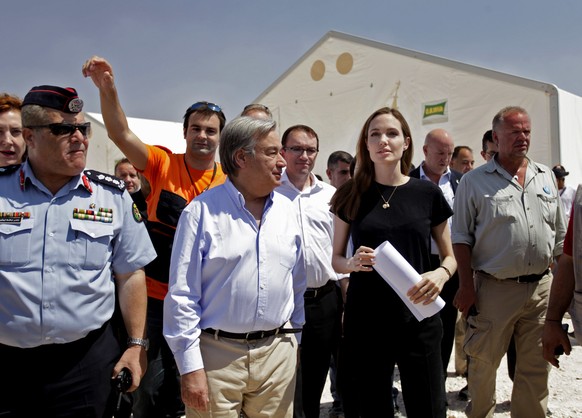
<point x="230" y="280"/>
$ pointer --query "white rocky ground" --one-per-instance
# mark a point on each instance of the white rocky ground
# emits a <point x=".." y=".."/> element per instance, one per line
<point x="565" y="390"/>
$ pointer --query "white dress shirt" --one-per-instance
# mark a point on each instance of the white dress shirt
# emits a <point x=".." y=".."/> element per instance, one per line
<point x="312" y="205"/>
<point x="447" y="189"/>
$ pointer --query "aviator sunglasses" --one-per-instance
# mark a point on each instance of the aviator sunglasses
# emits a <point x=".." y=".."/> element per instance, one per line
<point x="61" y="129"/>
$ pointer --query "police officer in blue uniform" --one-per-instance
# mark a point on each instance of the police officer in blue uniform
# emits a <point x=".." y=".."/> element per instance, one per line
<point x="68" y="238"/>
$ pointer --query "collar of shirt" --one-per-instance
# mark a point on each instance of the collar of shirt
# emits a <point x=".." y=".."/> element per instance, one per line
<point x="532" y="167"/>
<point x="76" y="181"/>
<point x="238" y="198"/>
<point x="445" y="177"/>
<point x="316" y="184"/>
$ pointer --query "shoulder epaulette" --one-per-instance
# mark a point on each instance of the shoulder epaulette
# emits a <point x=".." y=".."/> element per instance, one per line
<point x="106" y="179"/>
<point x="9" y="169"/>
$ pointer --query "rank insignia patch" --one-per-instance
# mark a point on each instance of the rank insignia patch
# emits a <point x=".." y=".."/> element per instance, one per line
<point x="136" y="214"/>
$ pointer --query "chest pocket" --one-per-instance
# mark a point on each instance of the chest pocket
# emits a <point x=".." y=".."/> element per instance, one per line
<point x="549" y="206"/>
<point x="90" y="244"/>
<point x="501" y="207"/>
<point x="15" y="243"/>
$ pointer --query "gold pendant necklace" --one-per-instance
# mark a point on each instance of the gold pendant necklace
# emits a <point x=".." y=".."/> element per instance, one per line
<point x="386" y="204"/>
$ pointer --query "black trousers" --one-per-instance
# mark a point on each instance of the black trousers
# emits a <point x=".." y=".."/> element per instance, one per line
<point x="379" y="333"/>
<point x="319" y="340"/>
<point x="59" y="380"/>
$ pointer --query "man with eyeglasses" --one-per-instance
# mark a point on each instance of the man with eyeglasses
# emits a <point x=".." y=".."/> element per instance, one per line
<point x="323" y="307"/>
<point x="68" y="238"/>
<point x="175" y="180"/>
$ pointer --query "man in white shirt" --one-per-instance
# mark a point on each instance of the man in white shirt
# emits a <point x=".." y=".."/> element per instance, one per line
<point x="237" y="277"/>
<point x="323" y="306"/>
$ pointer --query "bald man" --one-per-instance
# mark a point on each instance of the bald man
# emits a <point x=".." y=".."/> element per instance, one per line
<point x="438" y="150"/>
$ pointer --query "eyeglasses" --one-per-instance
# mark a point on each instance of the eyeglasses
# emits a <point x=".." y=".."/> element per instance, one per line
<point x="62" y="129"/>
<point x="298" y="151"/>
<point x="211" y="106"/>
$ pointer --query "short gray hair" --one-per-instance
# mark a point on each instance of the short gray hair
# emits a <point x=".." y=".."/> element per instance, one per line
<point x="499" y="118"/>
<point x="33" y="115"/>
<point x="241" y="133"/>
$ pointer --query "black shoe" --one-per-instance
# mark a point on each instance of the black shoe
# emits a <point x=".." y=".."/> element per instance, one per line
<point x="464" y="393"/>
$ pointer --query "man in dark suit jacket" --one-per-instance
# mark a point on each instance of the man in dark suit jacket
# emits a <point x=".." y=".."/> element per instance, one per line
<point x="438" y="150"/>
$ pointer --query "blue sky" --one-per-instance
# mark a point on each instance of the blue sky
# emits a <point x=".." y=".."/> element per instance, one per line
<point x="169" y="54"/>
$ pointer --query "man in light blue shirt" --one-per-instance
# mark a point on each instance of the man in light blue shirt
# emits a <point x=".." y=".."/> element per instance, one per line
<point x="234" y="308"/>
<point x="64" y="234"/>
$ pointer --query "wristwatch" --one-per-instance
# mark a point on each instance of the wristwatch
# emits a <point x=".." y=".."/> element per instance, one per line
<point x="145" y="343"/>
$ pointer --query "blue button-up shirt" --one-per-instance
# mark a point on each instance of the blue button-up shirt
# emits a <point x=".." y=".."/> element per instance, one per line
<point x="227" y="273"/>
<point x="56" y="268"/>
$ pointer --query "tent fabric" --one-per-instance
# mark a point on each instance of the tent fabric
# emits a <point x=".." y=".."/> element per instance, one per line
<point x="342" y="79"/>
<point x="103" y="153"/>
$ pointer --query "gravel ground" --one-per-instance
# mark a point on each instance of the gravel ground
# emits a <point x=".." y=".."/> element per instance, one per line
<point x="565" y="389"/>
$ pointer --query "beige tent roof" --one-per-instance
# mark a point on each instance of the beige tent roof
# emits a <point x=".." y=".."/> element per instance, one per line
<point x="343" y="79"/>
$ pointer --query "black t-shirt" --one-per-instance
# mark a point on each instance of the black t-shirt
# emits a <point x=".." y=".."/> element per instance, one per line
<point x="415" y="207"/>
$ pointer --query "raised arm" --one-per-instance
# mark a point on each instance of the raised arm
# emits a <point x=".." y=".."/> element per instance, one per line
<point x="118" y="130"/>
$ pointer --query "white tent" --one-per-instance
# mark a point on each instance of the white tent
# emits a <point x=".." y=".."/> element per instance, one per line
<point x="103" y="153"/>
<point x="342" y="79"/>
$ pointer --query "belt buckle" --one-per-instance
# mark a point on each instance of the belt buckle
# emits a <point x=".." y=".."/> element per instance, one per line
<point x="518" y="279"/>
<point x="315" y="292"/>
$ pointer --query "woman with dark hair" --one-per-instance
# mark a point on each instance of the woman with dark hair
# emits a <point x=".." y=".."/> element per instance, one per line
<point x="382" y="203"/>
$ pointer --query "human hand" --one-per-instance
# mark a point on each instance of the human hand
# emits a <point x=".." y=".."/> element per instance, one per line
<point x="429" y="288"/>
<point x="195" y="390"/>
<point x="362" y="260"/>
<point x="554" y="336"/>
<point x="135" y="359"/>
<point x="465" y="299"/>
<point x="100" y="71"/>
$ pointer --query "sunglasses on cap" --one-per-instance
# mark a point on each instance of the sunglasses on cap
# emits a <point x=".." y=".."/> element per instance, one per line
<point x="62" y="129"/>
<point x="211" y="106"/>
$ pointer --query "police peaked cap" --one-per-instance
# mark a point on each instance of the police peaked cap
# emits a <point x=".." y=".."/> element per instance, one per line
<point x="59" y="98"/>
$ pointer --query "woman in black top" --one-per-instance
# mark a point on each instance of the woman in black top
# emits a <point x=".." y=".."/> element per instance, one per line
<point x="383" y="203"/>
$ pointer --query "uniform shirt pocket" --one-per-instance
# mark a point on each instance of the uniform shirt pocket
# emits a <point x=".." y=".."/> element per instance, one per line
<point x="549" y="206"/>
<point x="15" y="243"/>
<point x="501" y="208"/>
<point x="90" y="244"/>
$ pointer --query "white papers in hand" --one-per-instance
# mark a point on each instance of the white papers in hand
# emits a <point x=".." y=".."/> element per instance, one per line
<point x="401" y="276"/>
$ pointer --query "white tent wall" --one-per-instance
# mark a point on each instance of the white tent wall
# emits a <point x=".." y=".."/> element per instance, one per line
<point x="103" y="153"/>
<point x="324" y="91"/>
<point x="570" y="136"/>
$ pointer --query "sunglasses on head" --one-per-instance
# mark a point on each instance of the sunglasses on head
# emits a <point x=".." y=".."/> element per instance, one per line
<point x="61" y="129"/>
<point x="211" y="106"/>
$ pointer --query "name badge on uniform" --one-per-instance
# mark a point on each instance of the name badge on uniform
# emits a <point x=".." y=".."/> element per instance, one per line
<point x="101" y="215"/>
<point x="14" y="218"/>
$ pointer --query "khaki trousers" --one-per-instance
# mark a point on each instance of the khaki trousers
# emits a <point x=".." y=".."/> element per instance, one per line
<point x="256" y="376"/>
<point x="507" y="308"/>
